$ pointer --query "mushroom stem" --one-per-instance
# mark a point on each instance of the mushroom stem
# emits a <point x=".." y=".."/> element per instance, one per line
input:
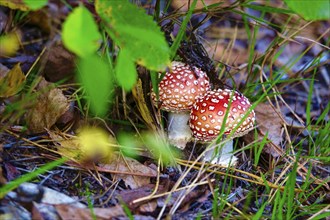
<point x="221" y="154"/>
<point x="179" y="133"/>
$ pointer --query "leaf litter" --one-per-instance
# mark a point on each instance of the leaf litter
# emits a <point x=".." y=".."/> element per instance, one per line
<point x="112" y="184"/>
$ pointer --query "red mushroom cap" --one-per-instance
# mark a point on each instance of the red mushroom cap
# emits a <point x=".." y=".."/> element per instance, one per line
<point x="208" y="113"/>
<point x="180" y="87"/>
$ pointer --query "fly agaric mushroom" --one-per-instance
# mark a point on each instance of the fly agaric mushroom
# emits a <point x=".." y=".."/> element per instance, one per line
<point x="178" y="91"/>
<point x="207" y="117"/>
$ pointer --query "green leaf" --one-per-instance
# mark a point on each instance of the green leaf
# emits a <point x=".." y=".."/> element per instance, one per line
<point x="96" y="77"/>
<point x="35" y="4"/>
<point x="125" y="70"/>
<point x="80" y="33"/>
<point x="311" y="10"/>
<point x="266" y="8"/>
<point x="133" y="30"/>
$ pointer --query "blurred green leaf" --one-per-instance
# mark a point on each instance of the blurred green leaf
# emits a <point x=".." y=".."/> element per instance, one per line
<point x="96" y="77"/>
<point x="35" y="4"/>
<point x="80" y="33"/>
<point x="311" y="10"/>
<point x="132" y="29"/>
<point x="129" y="144"/>
<point x="160" y="148"/>
<point x="125" y="70"/>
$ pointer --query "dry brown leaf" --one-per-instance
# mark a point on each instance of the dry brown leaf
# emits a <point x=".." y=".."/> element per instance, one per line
<point x="128" y="196"/>
<point x="70" y="212"/>
<point x="49" y="106"/>
<point x="59" y="63"/>
<point x="126" y="164"/>
<point x="269" y="122"/>
<point x="12" y="82"/>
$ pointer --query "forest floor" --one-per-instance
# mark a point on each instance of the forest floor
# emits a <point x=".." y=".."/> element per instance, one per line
<point x="283" y="169"/>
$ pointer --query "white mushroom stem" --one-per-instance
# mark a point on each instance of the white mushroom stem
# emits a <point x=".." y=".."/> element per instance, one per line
<point x="179" y="133"/>
<point x="221" y="153"/>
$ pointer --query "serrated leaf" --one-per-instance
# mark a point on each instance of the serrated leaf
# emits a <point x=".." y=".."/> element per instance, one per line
<point x="311" y="10"/>
<point x="132" y="29"/>
<point x="96" y="77"/>
<point x="34" y="5"/>
<point x="80" y="32"/>
<point x="13" y="82"/>
<point x="125" y="70"/>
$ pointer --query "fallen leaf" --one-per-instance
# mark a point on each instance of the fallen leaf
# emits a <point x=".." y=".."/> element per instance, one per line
<point x="126" y="164"/>
<point x="128" y="196"/>
<point x="49" y="106"/>
<point x="268" y="123"/>
<point x="70" y="212"/>
<point x="12" y="82"/>
<point x="59" y="63"/>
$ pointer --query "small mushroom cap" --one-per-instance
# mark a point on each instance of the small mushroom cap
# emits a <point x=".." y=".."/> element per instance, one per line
<point x="208" y="114"/>
<point x="180" y="87"/>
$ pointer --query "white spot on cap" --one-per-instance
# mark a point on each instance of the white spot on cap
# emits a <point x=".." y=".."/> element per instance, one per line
<point x="225" y="105"/>
<point x="211" y="107"/>
<point x="211" y="132"/>
<point x="215" y="100"/>
<point x="203" y="118"/>
<point x="220" y="113"/>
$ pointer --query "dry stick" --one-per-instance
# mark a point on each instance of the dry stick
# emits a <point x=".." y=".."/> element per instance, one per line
<point x="325" y="209"/>
<point x="73" y="162"/>
<point x="77" y="165"/>
<point x="176" y="190"/>
<point x="176" y="185"/>
<point x="284" y="125"/>
<point x="183" y="195"/>
<point x="155" y="189"/>
<point x="259" y="182"/>
<point x="300" y="166"/>
<point x="236" y="209"/>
